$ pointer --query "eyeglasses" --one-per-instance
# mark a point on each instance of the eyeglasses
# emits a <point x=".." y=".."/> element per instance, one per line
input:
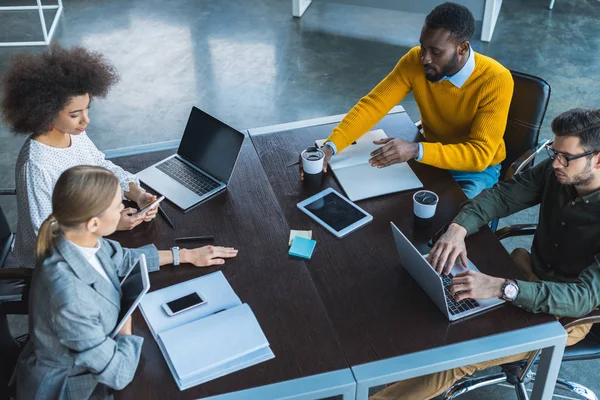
<point x="564" y="159"/>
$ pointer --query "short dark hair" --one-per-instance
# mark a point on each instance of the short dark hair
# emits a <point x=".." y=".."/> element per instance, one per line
<point x="37" y="87"/>
<point x="453" y="17"/>
<point x="581" y="123"/>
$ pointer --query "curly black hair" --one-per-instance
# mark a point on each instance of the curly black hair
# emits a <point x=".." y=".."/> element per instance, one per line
<point x="38" y="87"/>
<point x="455" y="18"/>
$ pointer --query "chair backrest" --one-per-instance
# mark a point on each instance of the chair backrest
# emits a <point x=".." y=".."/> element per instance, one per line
<point x="6" y="238"/>
<point x="525" y="116"/>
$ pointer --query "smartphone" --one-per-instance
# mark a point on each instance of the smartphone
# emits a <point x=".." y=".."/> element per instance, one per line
<point x="183" y="303"/>
<point x="149" y="206"/>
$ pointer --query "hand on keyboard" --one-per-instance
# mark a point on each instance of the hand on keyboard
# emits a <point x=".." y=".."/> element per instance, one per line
<point x="449" y="247"/>
<point x="475" y="285"/>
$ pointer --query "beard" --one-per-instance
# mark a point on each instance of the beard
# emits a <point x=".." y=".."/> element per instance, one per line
<point x="446" y="70"/>
<point x="583" y="178"/>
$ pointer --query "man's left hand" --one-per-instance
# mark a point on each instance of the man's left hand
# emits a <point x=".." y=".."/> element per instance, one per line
<point x="393" y="151"/>
<point x="475" y="285"/>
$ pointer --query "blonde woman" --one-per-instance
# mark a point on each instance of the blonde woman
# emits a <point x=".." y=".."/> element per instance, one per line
<point x="47" y="97"/>
<point x="75" y="293"/>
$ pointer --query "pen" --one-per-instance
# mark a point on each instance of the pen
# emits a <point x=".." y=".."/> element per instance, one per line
<point x="193" y="238"/>
<point x="166" y="217"/>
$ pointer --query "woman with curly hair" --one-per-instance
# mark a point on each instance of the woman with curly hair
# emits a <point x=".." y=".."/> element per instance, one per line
<point x="47" y="96"/>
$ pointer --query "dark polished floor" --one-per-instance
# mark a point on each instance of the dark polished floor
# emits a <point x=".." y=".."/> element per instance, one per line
<point x="251" y="64"/>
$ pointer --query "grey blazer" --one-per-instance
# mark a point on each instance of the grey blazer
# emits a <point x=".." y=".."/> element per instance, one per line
<point x="72" y="311"/>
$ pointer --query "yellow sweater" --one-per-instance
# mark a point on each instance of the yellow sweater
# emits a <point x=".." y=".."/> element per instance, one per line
<point x="463" y="127"/>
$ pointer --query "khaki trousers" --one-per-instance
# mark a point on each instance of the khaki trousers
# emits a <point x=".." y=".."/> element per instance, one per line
<point x="429" y="386"/>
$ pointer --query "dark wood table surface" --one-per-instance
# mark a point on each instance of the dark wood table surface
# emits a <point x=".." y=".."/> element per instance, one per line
<point x="278" y="288"/>
<point x="376" y="308"/>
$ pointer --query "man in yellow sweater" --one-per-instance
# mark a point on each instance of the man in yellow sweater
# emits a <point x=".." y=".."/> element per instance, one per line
<point x="463" y="98"/>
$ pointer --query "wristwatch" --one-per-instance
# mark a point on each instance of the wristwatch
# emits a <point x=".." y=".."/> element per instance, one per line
<point x="175" y="251"/>
<point x="510" y="290"/>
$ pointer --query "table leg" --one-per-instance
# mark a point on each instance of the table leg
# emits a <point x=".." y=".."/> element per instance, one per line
<point x="299" y="6"/>
<point x="547" y="372"/>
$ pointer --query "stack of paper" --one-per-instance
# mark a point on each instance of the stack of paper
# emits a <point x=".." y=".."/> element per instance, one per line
<point x="360" y="180"/>
<point x="210" y="340"/>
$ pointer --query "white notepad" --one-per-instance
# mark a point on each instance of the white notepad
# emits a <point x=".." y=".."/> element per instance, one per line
<point x="362" y="181"/>
<point x="208" y="341"/>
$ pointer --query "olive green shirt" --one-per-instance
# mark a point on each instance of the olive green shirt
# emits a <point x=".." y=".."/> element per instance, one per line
<point x="566" y="247"/>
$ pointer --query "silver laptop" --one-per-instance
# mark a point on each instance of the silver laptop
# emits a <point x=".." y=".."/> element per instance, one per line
<point x="438" y="287"/>
<point x="203" y="164"/>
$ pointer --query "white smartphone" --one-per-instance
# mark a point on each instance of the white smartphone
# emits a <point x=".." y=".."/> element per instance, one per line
<point x="149" y="206"/>
<point x="184" y="303"/>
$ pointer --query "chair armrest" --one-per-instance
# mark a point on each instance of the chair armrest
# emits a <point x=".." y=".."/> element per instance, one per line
<point x="518" y="164"/>
<point x="591" y="318"/>
<point x="8" y="192"/>
<point x="16" y="273"/>
<point x="516" y="230"/>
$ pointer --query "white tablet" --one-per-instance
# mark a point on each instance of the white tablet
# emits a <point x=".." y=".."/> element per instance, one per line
<point x="334" y="212"/>
<point x="135" y="285"/>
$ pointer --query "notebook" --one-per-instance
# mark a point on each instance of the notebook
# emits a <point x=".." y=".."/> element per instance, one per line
<point x="208" y="341"/>
<point x="362" y="181"/>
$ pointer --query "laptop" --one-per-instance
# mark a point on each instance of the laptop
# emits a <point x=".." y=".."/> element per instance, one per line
<point x="203" y="164"/>
<point x="437" y="286"/>
<point x="134" y="287"/>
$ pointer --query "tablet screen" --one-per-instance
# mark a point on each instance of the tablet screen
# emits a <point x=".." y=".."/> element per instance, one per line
<point x="335" y="211"/>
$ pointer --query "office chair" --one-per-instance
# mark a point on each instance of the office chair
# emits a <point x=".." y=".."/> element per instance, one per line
<point x="519" y="373"/>
<point x="14" y="281"/>
<point x="14" y="296"/>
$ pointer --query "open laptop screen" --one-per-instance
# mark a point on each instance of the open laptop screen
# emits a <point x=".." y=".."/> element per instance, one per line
<point x="210" y="145"/>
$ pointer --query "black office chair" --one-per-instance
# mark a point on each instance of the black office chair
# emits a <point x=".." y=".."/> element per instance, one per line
<point x="519" y="373"/>
<point x="525" y="116"/>
<point x="14" y="280"/>
<point x="14" y="296"/>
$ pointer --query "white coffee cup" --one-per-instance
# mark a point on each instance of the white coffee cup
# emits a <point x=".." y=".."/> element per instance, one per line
<point x="312" y="160"/>
<point x="425" y="203"/>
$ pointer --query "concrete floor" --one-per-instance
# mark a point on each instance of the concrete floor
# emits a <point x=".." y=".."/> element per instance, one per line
<point x="251" y="64"/>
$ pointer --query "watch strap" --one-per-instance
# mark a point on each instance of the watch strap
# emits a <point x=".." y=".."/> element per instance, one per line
<point x="175" y="251"/>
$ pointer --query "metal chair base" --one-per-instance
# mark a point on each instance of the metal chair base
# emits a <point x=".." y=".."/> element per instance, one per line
<point x="469" y="385"/>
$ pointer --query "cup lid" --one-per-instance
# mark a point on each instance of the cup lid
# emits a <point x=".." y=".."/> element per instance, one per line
<point x="426" y="197"/>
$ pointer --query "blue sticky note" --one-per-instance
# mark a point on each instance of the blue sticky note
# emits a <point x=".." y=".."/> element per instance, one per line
<point x="302" y="247"/>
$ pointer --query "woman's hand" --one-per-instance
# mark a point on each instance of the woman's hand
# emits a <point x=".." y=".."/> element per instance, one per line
<point x="207" y="255"/>
<point x="143" y="200"/>
<point x="127" y="328"/>
<point x="129" y="220"/>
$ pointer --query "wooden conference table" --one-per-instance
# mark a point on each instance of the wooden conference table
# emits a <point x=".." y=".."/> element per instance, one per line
<point x="351" y="318"/>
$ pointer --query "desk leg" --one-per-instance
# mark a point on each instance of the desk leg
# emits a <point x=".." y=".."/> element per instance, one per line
<point x="299" y="6"/>
<point x="547" y="372"/>
<point x="490" y="16"/>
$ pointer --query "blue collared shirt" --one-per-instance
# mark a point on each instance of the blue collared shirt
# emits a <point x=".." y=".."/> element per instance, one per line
<point x="459" y="78"/>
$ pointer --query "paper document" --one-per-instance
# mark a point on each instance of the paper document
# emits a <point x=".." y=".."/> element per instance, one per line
<point x="360" y="180"/>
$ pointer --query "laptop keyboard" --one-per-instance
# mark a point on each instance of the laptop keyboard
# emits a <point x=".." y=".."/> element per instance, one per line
<point x="196" y="181"/>
<point x="456" y="307"/>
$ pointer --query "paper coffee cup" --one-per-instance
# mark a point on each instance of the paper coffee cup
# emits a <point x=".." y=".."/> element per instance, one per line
<point x="312" y="160"/>
<point x="425" y="203"/>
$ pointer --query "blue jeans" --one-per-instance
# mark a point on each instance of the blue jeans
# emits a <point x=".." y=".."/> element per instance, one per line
<point x="473" y="183"/>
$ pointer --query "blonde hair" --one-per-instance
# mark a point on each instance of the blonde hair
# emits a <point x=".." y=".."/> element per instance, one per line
<point x="81" y="193"/>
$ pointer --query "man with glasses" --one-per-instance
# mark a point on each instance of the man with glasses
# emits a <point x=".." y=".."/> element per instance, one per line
<point x="562" y="271"/>
<point x="463" y="98"/>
